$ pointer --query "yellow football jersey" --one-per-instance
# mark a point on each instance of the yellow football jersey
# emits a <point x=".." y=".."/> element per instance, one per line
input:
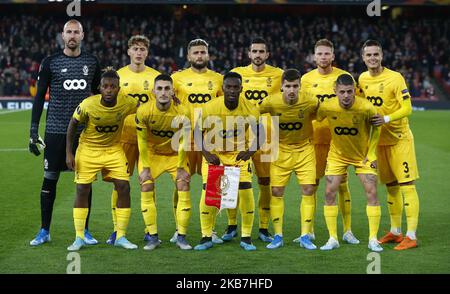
<point x="258" y="85"/>
<point x="161" y="125"/>
<point x="350" y="128"/>
<point x="195" y="89"/>
<point x="103" y="125"/>
<point x="386" y="92"/>
<point x="322" y="87"/>
<point x="222" y="125"/>
<point x="295" y="121"/>
<point x="138" y="86"/>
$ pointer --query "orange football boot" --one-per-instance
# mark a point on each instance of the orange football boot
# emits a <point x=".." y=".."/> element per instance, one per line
<point x="391" y="238"/>
<point x="407" y="243"/>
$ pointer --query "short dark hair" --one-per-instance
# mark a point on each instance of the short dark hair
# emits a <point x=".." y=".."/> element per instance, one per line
<point x="324" y="42"/>
<point x="163" y="77"/>
<point x="370" y="43"/>
<point x="110" y="72"/>
<point x="232" y="74"/>
<point x="197" y="42"/>
<point x="345" y="79"/>
<point x="290" y="75"/>
<point x="258" y="40"/>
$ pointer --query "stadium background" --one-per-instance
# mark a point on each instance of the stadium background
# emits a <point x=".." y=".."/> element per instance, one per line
<point x="416" y="42"/>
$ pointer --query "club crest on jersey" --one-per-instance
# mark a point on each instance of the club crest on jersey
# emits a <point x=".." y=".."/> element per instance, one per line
<point x="146" y="84"/>
<point x="125" y="84"/>
<point x="269" y="82"/>
<point x="210" y="85"/>
<point x="356" y="120"/>
<point x="315" y="85"/>
<point x="189" y="84"/>
<point x="85" y="70"/>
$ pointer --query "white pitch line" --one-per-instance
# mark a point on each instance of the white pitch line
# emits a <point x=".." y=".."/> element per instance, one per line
<point x="13" y="149"/>
<point x="12" y="111"/>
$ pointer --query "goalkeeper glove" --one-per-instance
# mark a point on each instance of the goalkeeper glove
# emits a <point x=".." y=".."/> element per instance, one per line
<point x="36" y="141"/>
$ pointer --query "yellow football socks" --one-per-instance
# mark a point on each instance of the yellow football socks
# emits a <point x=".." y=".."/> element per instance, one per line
<point x="79" y="220"/>
<point x="331" y="212"/>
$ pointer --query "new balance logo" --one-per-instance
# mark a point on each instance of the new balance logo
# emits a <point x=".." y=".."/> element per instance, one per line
<point x="345" y="131"/>
<point x="64" y="70"/>
<point x="75" y="84"/>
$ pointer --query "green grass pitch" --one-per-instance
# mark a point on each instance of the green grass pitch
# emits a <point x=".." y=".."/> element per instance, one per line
<point x="21" y="177"/>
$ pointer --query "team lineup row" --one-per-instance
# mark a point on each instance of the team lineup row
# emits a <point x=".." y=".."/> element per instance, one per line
<point x="366" y="122"/>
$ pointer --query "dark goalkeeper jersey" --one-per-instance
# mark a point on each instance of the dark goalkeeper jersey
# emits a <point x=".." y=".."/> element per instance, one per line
<point x="70" y="79"/>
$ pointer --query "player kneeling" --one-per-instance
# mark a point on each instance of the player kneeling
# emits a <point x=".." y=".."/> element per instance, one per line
<point x="99" y="150"/>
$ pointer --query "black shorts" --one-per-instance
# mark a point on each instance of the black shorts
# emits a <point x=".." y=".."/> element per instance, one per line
<point x="55" y="152"/>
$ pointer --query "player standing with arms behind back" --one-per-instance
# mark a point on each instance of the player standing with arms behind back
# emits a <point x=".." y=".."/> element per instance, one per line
<point x="259" y="80"/>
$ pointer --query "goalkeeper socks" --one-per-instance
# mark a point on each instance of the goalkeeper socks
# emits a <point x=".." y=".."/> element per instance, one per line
<point x="79" y="220"/>
<point x="411" y="208"/>
<point x="277" y="213"/>
<point x="374" y="215"/>
<point x="123" y="217"/>
<point x="395" y="206"/>
<point x="207" y="216"/>
<point x="175" y="203"/>
<point x="232" y="216"/>
<point x="114" y="197"/>
<point x="247" y="208"/>
<point x="183" y="211"/>
<point x="345" y="206"/>
<point x="264" y="206"/>
<point x="331" y="213"/>
<point x="306" y="214"/>
<point x="148" y="208"/>
<point x="48" y="195"/>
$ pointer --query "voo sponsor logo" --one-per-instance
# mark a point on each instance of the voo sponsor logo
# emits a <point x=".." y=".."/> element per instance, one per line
<point x="75" y="84"/>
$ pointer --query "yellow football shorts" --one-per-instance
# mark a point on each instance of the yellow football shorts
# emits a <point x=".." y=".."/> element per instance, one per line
<point x="337" y="165"/>
<point x="132" y="153"/>
<point x="111" y="161"/>
<point x="398" y="162"/>
<point x="161" y="163"/>
<point x="321" y="151"/>
<point x="129" y="133"/>
<point x="302" y="162"/>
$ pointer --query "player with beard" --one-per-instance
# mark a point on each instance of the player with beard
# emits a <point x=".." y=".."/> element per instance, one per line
<point x="196" y="86"/>
<point x="259" y="80"/>
<point x="320" y="82"/>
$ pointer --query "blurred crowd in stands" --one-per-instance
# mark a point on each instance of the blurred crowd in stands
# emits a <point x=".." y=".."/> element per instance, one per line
<point x="419" y="48"/>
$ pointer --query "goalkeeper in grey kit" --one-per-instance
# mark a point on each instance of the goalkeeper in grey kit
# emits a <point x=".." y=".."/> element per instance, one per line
<point x="71" y="75"/>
